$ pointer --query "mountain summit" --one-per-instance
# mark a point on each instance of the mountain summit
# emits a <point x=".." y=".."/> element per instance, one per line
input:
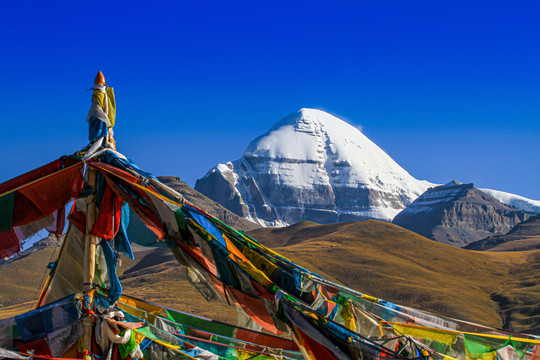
<point x="312" y="166"/>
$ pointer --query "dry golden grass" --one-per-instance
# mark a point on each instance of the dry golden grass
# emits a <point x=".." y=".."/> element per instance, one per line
<point x="395" y="264"/>
<point x="22" y="280"/>
<point x="157" y="277"/>
<point x="377" y="258"/>
<point x="13" y="310"/>
<point x="527" y="243"/>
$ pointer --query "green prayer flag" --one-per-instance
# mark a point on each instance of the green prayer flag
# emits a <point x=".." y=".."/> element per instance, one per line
<point x="6" y="211"/>
<point x="482" y="345"/>
<point x="146" y="331"/>
<point x="127" y="348"/>
<point x="201" y="324"/>
<point x="124" y="349"/>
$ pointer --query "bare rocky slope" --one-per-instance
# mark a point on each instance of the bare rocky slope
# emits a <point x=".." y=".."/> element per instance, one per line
<point x="207" y="204"/>
<point x="524" y="236"/>
<point x="458" y="214"/>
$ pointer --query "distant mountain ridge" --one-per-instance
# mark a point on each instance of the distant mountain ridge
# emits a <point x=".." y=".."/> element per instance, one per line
<point x="312" y="166"/>
<point x="458" y="214"/>
<point x="207" y="204"/>
<point x="523" y="236"/>
<point x="519" y="202"/>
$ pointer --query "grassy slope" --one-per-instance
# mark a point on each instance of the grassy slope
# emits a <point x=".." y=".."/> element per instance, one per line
<point x="522" y="244"/>
<point x="392" y="263"/>
<point x="154" y="276"/>
<point x="21" y="279"/>
<point x="374" y="257"/>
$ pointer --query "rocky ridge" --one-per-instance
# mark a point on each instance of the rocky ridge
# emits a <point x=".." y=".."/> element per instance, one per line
<point x="207" y="204"/>
<point x="458" y="214"/>
<point x="523" y="236"/>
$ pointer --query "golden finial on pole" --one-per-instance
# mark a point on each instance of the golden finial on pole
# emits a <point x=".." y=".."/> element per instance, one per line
<point x="100" y="79"/>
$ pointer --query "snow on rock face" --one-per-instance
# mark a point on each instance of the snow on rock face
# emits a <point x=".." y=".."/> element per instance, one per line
<point x="437" y="196"/>
<point x="312" y="166"/>
<point x="519" y="202"/>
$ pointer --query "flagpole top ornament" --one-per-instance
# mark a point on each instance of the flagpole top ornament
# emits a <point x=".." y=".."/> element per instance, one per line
<point x="100" y="79"/>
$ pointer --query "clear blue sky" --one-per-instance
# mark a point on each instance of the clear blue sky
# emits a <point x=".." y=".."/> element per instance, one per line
<point x="450" y="89"/>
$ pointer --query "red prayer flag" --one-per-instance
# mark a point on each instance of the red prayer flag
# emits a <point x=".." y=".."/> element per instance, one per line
<point x="9" y="244"/>
<point x="109" y="216"/>
<point x="40" y="193"/>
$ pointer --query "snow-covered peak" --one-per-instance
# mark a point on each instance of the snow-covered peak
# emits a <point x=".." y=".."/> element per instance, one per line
<point x="294" y="136"/>
<point x="519" y="202"/>
<point x="313" y="166"/>
<point x="347" y="155"/>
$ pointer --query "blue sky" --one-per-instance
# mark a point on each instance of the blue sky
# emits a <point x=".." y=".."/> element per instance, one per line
<point x="450" y="90"/>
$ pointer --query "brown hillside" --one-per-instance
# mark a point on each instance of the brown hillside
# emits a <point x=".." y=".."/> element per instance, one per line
<point x="154" y="276"/>
<point x="377" y="258"/>
<point x="395" y="264"/>
<point x="524" y="236"/>
<point x="21" y="280"/>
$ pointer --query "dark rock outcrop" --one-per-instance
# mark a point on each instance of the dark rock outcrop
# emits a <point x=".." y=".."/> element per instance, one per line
<point x="208" y="205"/>
<point x="458" y="214"/>
<point x="524" y="236"/>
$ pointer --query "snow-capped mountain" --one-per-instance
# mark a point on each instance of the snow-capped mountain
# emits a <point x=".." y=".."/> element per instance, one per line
<point x="312" y="166"/>
<point x="519" y="202"/>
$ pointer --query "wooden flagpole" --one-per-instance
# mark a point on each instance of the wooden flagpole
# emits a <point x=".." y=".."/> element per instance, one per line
<point x="90" y="240"/>
<point x="89" y="259"/>
<point x="90" y="255"/>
